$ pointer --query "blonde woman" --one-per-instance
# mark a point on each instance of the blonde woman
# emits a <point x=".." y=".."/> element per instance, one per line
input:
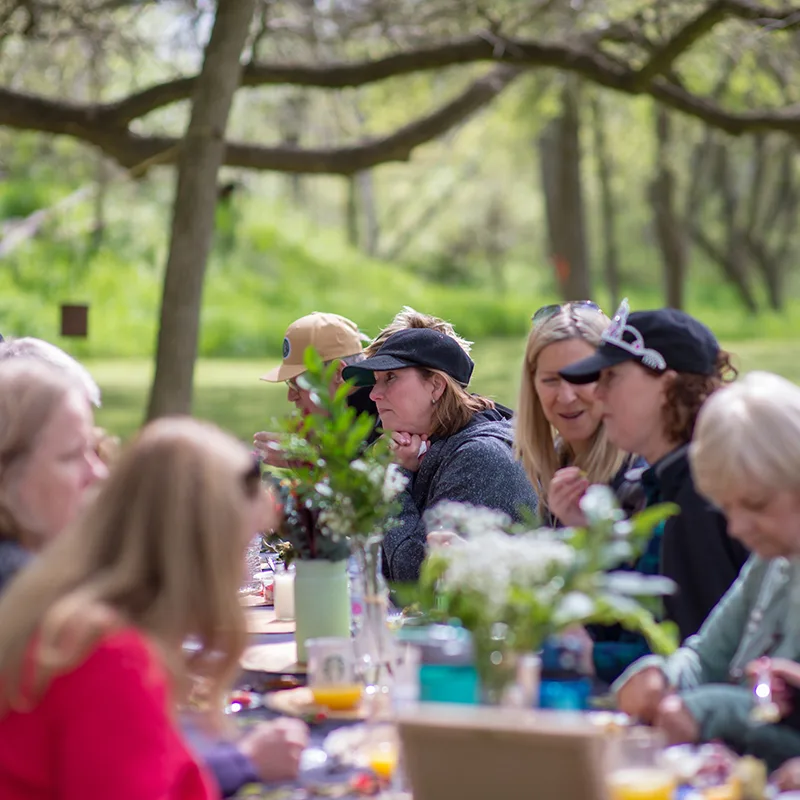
<point x="47" y="458"/>
<point x="91" y="633"/>
<point x="745" y="457"/>
<point x="561" y="441"/>
<point x="560" y="438"/>
<point x="452" y="445"/>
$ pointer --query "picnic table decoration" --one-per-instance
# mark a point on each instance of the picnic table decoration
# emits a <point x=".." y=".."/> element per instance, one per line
<point x="338" y="498"/>
<point x="512" y="586"/>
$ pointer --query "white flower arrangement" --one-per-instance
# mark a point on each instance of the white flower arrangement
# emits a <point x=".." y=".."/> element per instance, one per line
<point x="539" y="582"/>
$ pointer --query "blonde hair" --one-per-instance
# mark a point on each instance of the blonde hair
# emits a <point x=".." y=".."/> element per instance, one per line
<point x="456" y="406"/>
<point x="29" y="347"/>
<point x="409" y="318"/>
<point x="106" y="446"/>
<point x="748" y="433"/>
<point x="30" y="393"/>
<point x="541" y="453"/>
<point x="158" y="550"/>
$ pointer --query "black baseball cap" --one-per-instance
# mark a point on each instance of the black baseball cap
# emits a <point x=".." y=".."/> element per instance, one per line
<point x="414" y="347"/>
<point x="661" y="340"/>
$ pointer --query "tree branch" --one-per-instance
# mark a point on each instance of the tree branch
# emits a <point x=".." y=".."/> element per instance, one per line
<point x="664" y="56"/>
<point x="131" y="150"/>
<point x="106" y="125"/>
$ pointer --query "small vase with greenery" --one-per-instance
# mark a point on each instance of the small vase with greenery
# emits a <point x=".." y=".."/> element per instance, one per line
<point x="340" y="494"/>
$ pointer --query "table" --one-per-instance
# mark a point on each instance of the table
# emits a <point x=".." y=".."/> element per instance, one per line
<point x="321" y="782"/>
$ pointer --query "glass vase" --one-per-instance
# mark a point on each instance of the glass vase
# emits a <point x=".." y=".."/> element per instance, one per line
<point x="496" y="665"/>
<point x="374" y="643"/>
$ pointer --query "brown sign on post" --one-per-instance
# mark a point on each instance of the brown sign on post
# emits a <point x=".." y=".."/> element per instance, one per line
<point x="75" y="320"/>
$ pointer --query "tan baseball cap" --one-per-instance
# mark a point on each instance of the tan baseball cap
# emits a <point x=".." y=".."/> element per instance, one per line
<point x="330" y="335"/>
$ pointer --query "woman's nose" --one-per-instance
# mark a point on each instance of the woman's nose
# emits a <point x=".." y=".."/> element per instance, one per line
<point x="566" y="392"/>
<point x="98" y="471"/>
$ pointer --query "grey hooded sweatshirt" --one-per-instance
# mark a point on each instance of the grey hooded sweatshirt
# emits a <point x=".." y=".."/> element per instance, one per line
<point x="476" y="466"/>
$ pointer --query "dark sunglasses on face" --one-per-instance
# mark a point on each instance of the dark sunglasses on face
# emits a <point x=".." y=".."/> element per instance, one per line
<point x="546" y="312"/>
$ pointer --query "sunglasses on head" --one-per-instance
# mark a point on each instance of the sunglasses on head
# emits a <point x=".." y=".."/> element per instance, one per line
<point x="546" y="312"/>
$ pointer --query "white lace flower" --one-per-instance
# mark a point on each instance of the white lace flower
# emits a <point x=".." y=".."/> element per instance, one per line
<point x="394" y="482"/>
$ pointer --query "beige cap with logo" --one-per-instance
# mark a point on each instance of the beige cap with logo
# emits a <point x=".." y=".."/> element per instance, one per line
<point x="330" y="335"/>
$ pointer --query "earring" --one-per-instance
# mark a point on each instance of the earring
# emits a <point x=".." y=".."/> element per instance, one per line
<point x="433" y="401"/>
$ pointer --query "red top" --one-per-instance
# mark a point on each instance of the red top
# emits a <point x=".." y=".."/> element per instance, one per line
<point x="102" y="731"/>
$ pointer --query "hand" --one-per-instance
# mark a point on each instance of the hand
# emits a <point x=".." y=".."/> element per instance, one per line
<point x="563" y="496"/>
<point x="782" y="674"/>
<point x="268" y="449"/>
<point x="642" y="694"/>
<point x="406" y="447"/>
<point x="676" y="721"/>
<point x="443" y="539"/>
<point x="274" y="748"/>
<point x="787" y="777"/>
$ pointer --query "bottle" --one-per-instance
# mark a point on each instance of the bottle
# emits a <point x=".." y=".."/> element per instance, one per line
<point x="563" y="686"/>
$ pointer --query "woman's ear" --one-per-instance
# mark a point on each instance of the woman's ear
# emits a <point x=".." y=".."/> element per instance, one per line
<point x="439" y="385"/>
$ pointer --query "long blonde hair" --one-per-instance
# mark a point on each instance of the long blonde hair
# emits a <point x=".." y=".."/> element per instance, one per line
<point x="543" y="454"/>
<point x="30" y="393"/>
<point x="160" y="549"/>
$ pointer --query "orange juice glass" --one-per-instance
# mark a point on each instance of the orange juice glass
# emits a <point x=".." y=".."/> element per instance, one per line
<point x="637" y="770"/>
<point x="332" y="673"/>
<point x="641" y="783"/>
<point x="337" y="698"/>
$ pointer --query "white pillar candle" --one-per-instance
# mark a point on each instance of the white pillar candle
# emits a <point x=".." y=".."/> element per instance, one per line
<point x="284" y="595"/>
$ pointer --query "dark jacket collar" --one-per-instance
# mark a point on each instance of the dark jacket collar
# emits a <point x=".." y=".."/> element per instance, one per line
<point x="670" y="472"/>
<point x="360" y="401"/>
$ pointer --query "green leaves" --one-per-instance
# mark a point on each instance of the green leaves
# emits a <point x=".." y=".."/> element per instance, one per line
<point x="340" y="489"/>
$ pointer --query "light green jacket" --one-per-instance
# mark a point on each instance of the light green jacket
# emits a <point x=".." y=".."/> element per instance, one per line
<point x="759" y="615"/>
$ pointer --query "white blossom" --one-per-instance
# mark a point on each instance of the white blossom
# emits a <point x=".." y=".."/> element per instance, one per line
<point x="394" y="482"/>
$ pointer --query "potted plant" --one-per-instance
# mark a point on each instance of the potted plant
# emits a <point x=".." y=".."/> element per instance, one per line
<point x="337" y="499"/>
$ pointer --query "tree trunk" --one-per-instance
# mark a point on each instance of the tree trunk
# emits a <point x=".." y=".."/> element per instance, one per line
<point x="668" y="227"/>
<point x="369" y="218"/>
<point x="351" y="212"/>
<point x="560" y="164"/>
<point x="608" y="202"/>
<point x="202" y="152"/>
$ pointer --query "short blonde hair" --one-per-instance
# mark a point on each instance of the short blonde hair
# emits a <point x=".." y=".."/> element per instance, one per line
<point x="29" y="347"/>
<point x="535" y="445"/>
<point x="409" y="318"/>
<point x="748" y="433"/>
<point x="31" y="391"/>
<point x="158" y="550"/>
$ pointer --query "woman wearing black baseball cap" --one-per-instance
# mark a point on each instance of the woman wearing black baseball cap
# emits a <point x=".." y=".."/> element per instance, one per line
<point x="654" y="370"/>
<point x="453" y="445"/>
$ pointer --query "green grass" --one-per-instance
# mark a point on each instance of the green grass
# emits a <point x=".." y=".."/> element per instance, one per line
<point x="229" y="393"/>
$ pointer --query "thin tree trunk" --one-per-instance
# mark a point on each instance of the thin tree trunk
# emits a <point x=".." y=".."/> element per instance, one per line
<point x="560" y="163"/>
<point x="351" y="212"/>
<point x="201" y="155"/>
<point x="608" y="202"/>
<point x="668" y="228"/>
<point x="369" y="216"/>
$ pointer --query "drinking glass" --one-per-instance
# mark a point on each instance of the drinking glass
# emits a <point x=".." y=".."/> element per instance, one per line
<point x="637" y="768"/>
<point x="332" y="674"/>
<point x="283" y="592"/>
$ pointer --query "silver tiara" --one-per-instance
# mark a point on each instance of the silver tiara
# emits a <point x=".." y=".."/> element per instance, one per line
<point x="614" y="333"/>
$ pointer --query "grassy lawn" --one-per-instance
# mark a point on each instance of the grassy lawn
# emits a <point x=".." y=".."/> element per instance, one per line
<point x="229" y="392"/>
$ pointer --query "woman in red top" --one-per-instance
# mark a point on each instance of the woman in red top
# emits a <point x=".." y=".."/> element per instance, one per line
<point x="91" y="634"/>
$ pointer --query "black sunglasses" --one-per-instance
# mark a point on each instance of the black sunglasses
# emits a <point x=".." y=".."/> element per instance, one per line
<point x="546" y="312"/>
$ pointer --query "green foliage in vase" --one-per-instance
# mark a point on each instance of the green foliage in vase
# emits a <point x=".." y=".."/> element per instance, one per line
<point x="338" y="489"/>
<point x="538" y="583"/>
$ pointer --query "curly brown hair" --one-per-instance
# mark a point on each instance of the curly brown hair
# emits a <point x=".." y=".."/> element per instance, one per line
<point x="685" y="395"/>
